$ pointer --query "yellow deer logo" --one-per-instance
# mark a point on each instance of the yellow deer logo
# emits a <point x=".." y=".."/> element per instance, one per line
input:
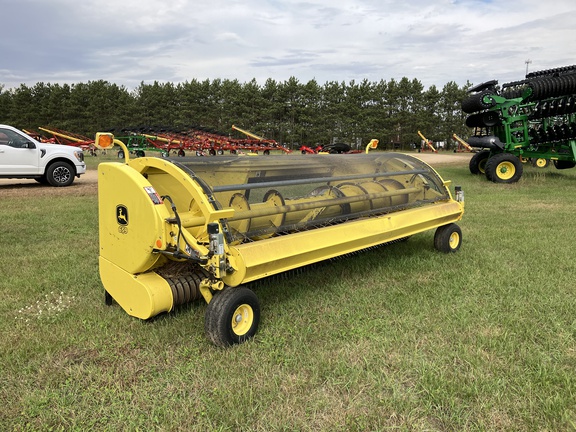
<point x="122" y="215"/>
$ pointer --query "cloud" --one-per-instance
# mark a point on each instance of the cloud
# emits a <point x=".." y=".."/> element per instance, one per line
<point x="132" y="41"/>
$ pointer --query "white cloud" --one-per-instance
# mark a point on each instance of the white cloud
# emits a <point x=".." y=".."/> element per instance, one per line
<point x="434" y="41"/>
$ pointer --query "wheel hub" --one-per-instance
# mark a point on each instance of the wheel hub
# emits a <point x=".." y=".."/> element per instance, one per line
<point x="506" y="170"/>
<point x="61" y="175"/>
<point x="454" y="240"/>
<point x="242" y="319"/>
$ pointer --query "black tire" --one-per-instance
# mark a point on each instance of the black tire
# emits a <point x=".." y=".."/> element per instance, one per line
<point x="477" y="164"/>
<point x="108" y="300"/>
<point x="448" y="238"/>
<point x="220" y="152"/>
<point x="140" y="153"/>
<point x="60" y="174"/>
<point x="266" y="152"/>
<point x="504" y="168"/>
<point x="232" y="316"/>
<point x="564" y="164"/>
<point x="120" y="154"/>
<point x="181" y="153"/>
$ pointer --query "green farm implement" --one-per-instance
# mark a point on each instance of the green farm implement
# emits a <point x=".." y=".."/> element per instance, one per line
<point x="533" y="119"/>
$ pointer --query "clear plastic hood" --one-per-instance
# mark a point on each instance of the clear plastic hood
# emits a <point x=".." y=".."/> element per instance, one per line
<point x="274" y="195"/>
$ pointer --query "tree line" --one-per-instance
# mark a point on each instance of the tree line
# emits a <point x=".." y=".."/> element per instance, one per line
<point x="291" y="112"/>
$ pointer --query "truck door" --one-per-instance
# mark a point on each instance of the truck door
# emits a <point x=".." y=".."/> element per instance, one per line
<point x="18" y="155"/>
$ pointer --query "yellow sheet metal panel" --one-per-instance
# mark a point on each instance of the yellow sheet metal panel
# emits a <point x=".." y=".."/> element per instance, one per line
<point x="131" y="218"/>
<point x="263" y="258"/>
<point x="142" y="296"/>
<point x="186" y="193"/>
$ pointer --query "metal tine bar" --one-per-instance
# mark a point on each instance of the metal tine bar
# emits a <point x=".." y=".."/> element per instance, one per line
<point x="244" y="186"/>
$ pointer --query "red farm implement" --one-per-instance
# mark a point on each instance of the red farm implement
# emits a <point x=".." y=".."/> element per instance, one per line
<point x="198" y="140"/>
<point x="69" y="138"/>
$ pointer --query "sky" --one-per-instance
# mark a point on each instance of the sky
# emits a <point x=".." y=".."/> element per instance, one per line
<point x="128" y="42"/>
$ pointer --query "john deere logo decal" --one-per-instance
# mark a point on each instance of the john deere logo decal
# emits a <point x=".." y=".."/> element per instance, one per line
<point x="122" y="215"/>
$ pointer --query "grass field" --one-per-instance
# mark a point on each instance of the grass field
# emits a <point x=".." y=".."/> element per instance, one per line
<point x="401" y="338"/>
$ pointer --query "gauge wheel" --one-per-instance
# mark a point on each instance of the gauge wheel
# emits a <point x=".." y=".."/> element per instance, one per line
<point x="504" y="168"/>
<point x="448" y="238"/>
<point x="477" y="164"/>
<point x="121" y="154"/>
<point x="540" y="162"/>
<point x="140" y="153"/>
<point x="232" y="316"/>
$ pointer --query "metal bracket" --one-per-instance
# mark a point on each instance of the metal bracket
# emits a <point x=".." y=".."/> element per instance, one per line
<point x="207" y="286"/>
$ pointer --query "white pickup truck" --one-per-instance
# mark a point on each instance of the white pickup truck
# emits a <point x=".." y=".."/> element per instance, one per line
<point x="21" y="156"/>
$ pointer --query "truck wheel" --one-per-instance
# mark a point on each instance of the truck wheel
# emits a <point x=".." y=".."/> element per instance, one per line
<point x="60" y="174"/>
<point x="477" y="164"/>
<point x="232" y="316"/>
<point x="504" y="168"/>
<point x="448" y="238"/>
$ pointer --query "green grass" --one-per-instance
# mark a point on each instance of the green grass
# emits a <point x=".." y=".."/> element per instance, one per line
<point x="400" y="338"/>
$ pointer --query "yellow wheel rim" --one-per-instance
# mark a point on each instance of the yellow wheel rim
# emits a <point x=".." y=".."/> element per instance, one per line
<point x="482" y="166"/>
<point x="454" y="240"/>
<point x="540" y="162"/>
<point x="242" y="319"/>
<point x="505" y="170"/>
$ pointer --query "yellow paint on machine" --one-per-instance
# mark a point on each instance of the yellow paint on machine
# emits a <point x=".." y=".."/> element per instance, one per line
<point x="173" y="231"/>
<point x="276" y="255"/>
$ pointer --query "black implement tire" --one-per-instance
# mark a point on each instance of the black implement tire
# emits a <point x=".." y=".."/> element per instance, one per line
<point x="504" y="168"/>
<point x="60" y="174"/>
<point x="448" y="238"/>
<point x="559" y="164"/>
<point x="232" y="316"/>
<point x="120" y="154"/>
<point x="477" y="164"/>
